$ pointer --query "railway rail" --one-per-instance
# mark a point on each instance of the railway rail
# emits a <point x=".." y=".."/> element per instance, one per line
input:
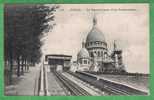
<point x="110" y="87"/>
<point x="71" y="86"/>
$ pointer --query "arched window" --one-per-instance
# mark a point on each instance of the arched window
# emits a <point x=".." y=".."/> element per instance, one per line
<point x="88" y="62"/>
<point x="80" y="61"/>
<point x="102" y="53"/>
<point x="99" y="43"/>
<point x="95" y="43"/>
<point x="99" y="54"/>
<point x="85" y="61"/>
<point x="95" y="53"/>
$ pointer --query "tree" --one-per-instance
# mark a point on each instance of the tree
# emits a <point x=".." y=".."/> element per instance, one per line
<point x="25" y="25"/>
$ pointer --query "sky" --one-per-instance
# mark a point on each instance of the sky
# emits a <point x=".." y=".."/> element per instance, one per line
<point x="128" y="24"/>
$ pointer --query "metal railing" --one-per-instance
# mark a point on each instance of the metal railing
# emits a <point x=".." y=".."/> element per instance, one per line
<point x="41" y="82"/>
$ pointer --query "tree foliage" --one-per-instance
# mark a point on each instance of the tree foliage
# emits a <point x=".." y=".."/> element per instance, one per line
<point x="25" y="25"/>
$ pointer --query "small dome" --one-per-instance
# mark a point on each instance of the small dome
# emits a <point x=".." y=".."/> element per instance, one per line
<point x="83" y="53"/>
<point x="95" y="35"/>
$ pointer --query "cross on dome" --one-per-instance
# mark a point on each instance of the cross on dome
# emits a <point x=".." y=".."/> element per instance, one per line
<point x="94" y="21"/>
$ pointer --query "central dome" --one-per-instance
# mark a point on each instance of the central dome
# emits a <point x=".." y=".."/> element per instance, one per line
<point x="95" y="35"/>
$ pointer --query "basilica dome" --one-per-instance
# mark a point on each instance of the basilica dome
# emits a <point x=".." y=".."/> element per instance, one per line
<point x="95" y="35"/>
<point x="83" y="53"/>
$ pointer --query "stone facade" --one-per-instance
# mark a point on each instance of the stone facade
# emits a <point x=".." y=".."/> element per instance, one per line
<point x="94" y="55"/>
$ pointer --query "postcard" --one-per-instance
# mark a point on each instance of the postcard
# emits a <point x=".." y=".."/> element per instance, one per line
<point x="77" y="49"/>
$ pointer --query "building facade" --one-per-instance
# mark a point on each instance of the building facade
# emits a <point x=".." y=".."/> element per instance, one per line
<point x="94" y="55"/>
<point x="58" y="61"/>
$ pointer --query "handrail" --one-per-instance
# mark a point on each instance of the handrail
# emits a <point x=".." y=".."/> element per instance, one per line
<point x="37" y="83"/>
<point x="41" y="91"/>
<point x="46" y="82"/>
<point x="43" y="82"/>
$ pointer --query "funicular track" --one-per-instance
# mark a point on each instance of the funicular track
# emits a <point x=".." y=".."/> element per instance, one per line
<point x="110" y="87"/>
<point x="71" y="86"/>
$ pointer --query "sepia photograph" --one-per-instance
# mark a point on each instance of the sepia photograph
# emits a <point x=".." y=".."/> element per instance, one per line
<point x="76" y="49"/>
